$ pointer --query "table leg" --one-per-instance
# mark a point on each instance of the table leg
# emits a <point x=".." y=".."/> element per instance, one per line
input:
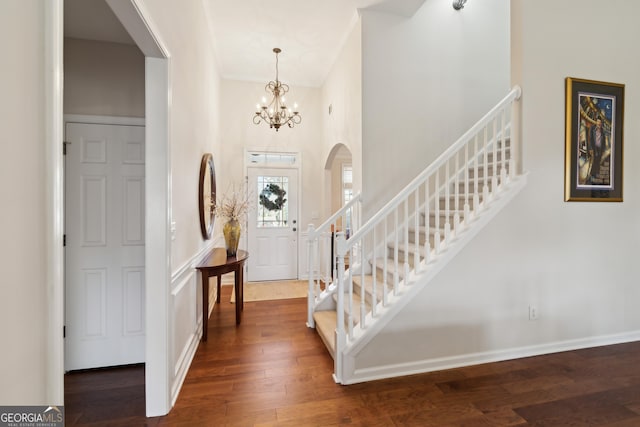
<point x="219" y="288"/>
<point x="205" y="305"/>
<point x="242" y="285"/>
<point x="238" y="291"/>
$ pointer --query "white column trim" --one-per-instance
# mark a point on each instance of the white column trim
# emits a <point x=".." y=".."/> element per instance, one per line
<point x="53" y="75"/>
<point x="158" y="238"/>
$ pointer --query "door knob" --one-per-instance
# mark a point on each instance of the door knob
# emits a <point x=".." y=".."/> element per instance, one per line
<point x="294" y="229"/>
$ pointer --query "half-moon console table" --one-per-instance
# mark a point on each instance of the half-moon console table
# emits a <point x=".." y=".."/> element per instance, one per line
<point x="217" y="263"/>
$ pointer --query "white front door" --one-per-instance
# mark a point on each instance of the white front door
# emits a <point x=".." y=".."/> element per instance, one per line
<point x="273" y="224"/>
<point x="104" y="253"/>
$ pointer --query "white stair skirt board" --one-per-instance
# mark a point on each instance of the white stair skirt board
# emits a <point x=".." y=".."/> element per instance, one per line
<point x="438" y="364"/>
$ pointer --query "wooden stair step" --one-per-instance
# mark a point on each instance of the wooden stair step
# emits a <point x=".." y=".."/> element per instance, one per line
<point x="442" y="215"/>
<point x="490" y="169"/>
<point x="355" y="306"/>
<point x="326" y="327"/>
<point x="403" y="250"/>
<point x="380" y="263"/>
<point x="498" y="155"/>
<point x="368" y="286"/>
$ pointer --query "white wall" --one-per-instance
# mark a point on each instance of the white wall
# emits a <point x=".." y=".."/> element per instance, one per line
<point x="193" y="131"/>
<point x="342" y="90"/>
<point x="342" y="158"/>
<point x="426" y="80"/>
<point x="576" y="262"/>
<point x="195" y="92"/>
<point x="239" y="133"/>
<point x="23" y="305"/>
<point x="104" y="79"/>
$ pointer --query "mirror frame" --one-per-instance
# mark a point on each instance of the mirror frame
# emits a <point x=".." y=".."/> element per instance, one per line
<point x="207" y="201"/>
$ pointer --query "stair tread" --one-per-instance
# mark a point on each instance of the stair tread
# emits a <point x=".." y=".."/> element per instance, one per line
<point x="368" y="285"/>
<point x="380" y="262"/>
<point x="423" y="228"/>
<point x="326" y="326"/>
<point x="402" y="247"/>
<point x="355" y="307"/>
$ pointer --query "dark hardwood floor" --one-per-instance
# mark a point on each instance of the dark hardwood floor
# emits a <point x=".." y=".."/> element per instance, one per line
<point x="273" y="370"/>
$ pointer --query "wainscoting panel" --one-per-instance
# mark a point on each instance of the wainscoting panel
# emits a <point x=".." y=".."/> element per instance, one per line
<point x="183" y="310"/>
<point x="186" y="319"/>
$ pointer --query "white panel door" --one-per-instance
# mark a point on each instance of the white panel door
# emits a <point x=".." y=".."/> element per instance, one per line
<point x="273" y="224"/>
<point x="104" y="253"/>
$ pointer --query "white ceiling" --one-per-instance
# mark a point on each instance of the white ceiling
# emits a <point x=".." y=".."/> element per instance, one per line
<point x="93" y="20"/>
<point x="309" y="32"/>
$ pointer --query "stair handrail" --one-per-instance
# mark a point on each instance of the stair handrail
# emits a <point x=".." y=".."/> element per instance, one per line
<point x="315" y="232"/>
<point x="513" y="95"/>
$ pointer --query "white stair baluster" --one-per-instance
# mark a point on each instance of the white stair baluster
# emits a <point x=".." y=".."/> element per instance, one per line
<point x="503" y="145"/>
<point x="374" y="281"/>
<point x="363" y="293"/>
<point x="436" y="225"/>
<point x="467" y="212"/>
<point x="396" y="266"/>
<point x="350" y="320"/>
<point x="447" y="204"/>
<point x="427" y="223"/>
<point x="341" y="339"/>
<point x="456" y="213"/>
<point x="311" y="296"/>
<point x="416" y="231"/>
<point x="385" y="262"/>
<point x="485" y="187"/>
<point x="496" y="161"/>
<point x="476" y="178"/>
<point x="405" y="227"/>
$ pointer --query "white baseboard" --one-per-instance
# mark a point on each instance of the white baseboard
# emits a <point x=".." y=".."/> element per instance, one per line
<point x="430" y="365"/>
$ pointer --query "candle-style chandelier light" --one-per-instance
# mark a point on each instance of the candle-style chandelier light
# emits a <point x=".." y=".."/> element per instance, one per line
<point x="276" y="113"/>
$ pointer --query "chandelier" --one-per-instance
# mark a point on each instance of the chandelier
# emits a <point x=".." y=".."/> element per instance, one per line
<point x="276" y="113"/>
<point x="459" y="4"/>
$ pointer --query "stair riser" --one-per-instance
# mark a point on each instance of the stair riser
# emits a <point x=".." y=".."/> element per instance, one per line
<point x="498" y="156"/>
<point x="357" y="288"/>
<point x="380" y="276"/>
<point x="401" y="257"/>
<point x="461" y="203"/>
<point x="481" y="173"/>
<point x="442" y="218"/>
<point x="421" y="236"/>
<point x="473" y="185"/>
<point x="356" y="306"/>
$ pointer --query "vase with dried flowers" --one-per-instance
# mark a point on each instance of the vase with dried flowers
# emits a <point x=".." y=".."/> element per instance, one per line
<point x="232" y="206"/>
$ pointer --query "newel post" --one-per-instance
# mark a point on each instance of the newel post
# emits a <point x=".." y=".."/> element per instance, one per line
<point x="516" y="167"/>
<point x="340" y="330"/>
<point x="311" y="246"/>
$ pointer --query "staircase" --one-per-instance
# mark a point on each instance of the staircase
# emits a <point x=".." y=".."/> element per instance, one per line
<point x="396" y="253"/>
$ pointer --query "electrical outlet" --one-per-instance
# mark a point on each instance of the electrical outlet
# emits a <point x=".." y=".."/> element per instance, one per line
<point x="533" y="312"/>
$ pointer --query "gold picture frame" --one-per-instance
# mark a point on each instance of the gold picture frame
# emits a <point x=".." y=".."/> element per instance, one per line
<point x="593" y="140"/>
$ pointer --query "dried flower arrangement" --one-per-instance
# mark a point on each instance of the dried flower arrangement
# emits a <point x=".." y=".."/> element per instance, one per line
<point x="233" y="205"/>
